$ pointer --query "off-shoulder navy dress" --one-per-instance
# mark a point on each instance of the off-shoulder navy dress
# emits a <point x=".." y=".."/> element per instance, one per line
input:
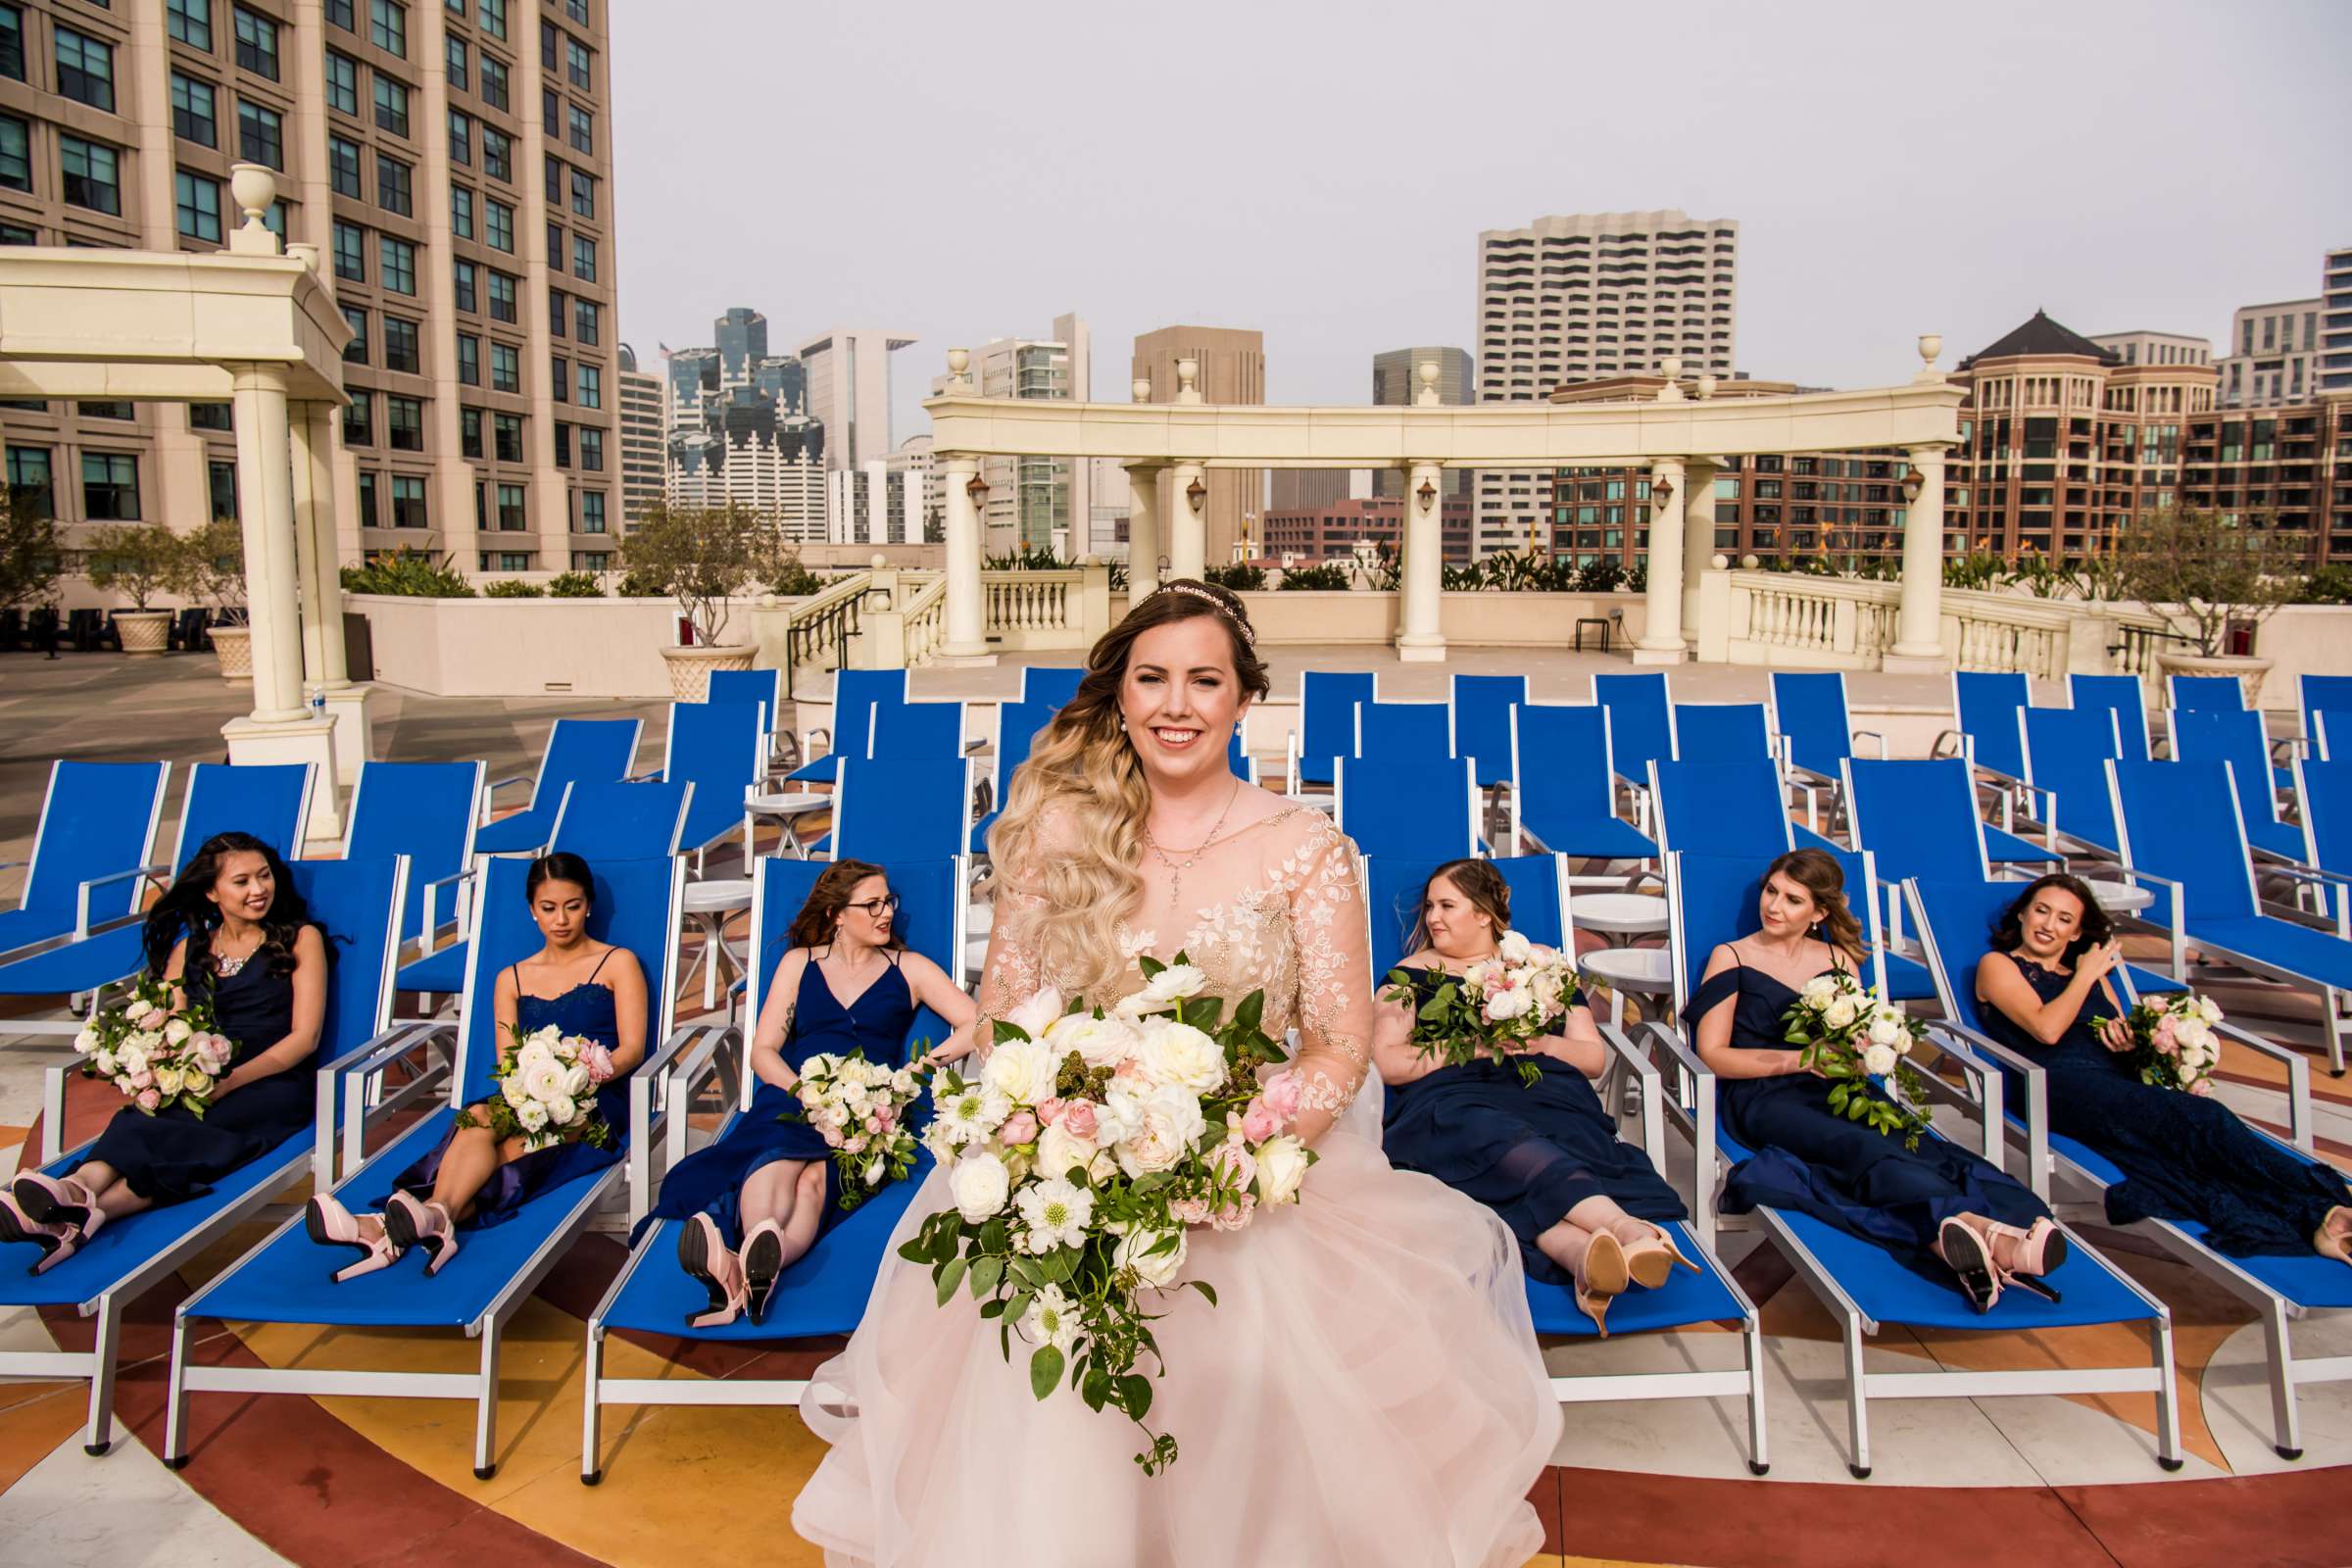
<point x="1807" y="1158"/>
<point x="710" y="1180"/>
<point x="1530" y="1153"/>
<point x="586" y="1010"/>
<point x="2186" y="1157"/>
<point x="174" y="1155"/>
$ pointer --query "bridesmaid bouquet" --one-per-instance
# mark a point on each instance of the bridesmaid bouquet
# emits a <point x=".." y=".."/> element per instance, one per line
<point x="1079" y="1158"/>
<point x="157" y="1054"/>
<point x="859" y="1108"/>
<point x="546" y="1082"/>
<point x="1850" y="1036"/>
<point x="2173" y="1045"/>
<point x="1496" y="1006"/>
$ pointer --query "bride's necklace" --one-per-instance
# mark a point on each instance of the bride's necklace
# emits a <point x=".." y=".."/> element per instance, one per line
<point x="1176" y="869"/>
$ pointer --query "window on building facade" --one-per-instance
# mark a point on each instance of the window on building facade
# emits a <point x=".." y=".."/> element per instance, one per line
<point x="506" y="368"/>
<point x="403" y="345"/>
<point x="577" y="10"/>
<point x="92" y="175"/>
<point x="388" y="27"/>
<point x="398" y="259"/>
<point x="197" y="204"/>
<point x="391" y="105"/>
<point x="558" y="304"/>
<point x="493" y="14"/>
<point x="371" y="515"/>
<point x="354" y="352"/>
<point x="592" y="448"/>
<point x="583" y="258"/>
<point x="16" y="153"/>
<point x="110" y="487"/>
<point x="502" y="298"/>
<point x="466" y="276"/>
<point x="562" y="445"/>
<point x="507" y="437"/>
<point x="469" y="359"/>
<point x="12" y="42"/>
<point x="189" y="21"/>
<point x="582" y="132"/>
<point x="592" y="387"/>
<point x="260" y="135"/>
<point x="394" y="188"/>
<point x="513" y="517"/>
<point x="498" y="155"/>
<point x="404" y="423"/>
<point x="343" y="84"/>
<point x="583" y="193"/>
<point x="350" y="251"/>
<point x="221" y="482"/>
<point x="558" y="377"/>
<point x="497" y="85"/>
<point x="256" y="43"/>
<point x="550" y="109"/>
<point x="584" y="317"/>
<point x="358" y="419"/>
<point x="407" y="502"/>
<point x="592" y="511"/>
<point x="29" y="475"/>
<point x="86" y="69"/>
<point x="461" y="138"/>
<point x="469" y="432"/>
<point x="343" y="166"/>
<point x="461" y="215"/>
<point x="343" y="14"/>
<point x="498" y="224"/>
<point x="580" y="63"/>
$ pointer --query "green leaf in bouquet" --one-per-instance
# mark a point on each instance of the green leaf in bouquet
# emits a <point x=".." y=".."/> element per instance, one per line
<point x="1094" y="1387"/>
<point x="1165" y="1244"/>
<point x="1060" y="1264"/>
<point x="1152" y="967"/>
<point x="1440" y="1003"/>
<point x="995" y="1237"/>
<point x="994" y="1306"/>
<point x="1009" y="1031"/>
<point x="951" y="1275"/>
<point x="1135" y="1394"/>
<point x="1028" y="1273"/>
<point x="1045" y="1370"/>
<point x="1204" y="1287"/>
<point x="916" y="1248"/>
<point x="987" y="1274"/>
<point x="1251" y="1012"/>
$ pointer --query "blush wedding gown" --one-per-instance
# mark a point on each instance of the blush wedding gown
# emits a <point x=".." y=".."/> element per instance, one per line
<point x="1367" y="1390"/>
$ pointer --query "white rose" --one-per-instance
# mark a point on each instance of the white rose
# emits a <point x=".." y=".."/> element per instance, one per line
<point x="213" y="1053"/>
<point x="510" y="1090"/>
<point x="1281" y="1166"/>
<point x="1818" y="990"/>
<point x="149" y="1041"/>
<point x="1514" y="948"/>
<point x="168" y="1081"/>
<point x="531" y="1117"/>
<point x="1176" y="982"/>
<point x="1505" y="1005"/>
<point x="1175" y="1053"/>
<point x="541" y="1080"/>
<point x="902" y="1084"/>
<point x="2208" y="1010"/>
<point x="1034" y="1016"/>
<point x="575" y="1080"/>
<point x="1160" y="1271"/>
<point x="1165" y="1121"/>
<point x="1022" y="1071"/>
<point x="980" y="1184"/>
<point x="1058" y="1151"/>
<point x="132" y="1058"/>
<point x="1839" y="1013"/>
<point x="1878" y="1061"/>
<point x="104" y="1062"/>
<point x="86" y="1040"/>
<point x="177" y="1030"/>
<point x="1099" y="1042"/>
<point x="139" y="1010"/>
<point x="1886" y="1029"/>
<point x="196" y="1082"/>
<point x="561" y="1109"/>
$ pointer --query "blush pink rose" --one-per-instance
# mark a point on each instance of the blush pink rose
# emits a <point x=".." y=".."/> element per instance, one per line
<point x="142" y="1080"/>
<point x="1019" y="1128"/>
<point x="1078" y="1118"/>
<point x="1048" y="1109"/>
<point x="1234" y="1215"/>
<point x="598" y="1062"/>
<point x="2202" y="1086"/>
<point x="856" y="1144"/>
<point x="1231" y="1161"/>
<point x="1188" y="1210"/>
<point x="885" y="1120"/>
<point x="873" y="1124"/>
<point x="1258" y="1122"/>
<point x="1280" y="1094"/>
<point x="149" y="1098"/>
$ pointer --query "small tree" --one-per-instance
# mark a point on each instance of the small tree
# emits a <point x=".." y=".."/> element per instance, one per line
<point x="212" y="570"/>
<point x="407" y="573"/>
<point x="28" y="552"/>
<point x="574" y="585"/>
<point x="140" y="559"/>
<point x="702" y="557"/>
<point x="2211" y="571"/>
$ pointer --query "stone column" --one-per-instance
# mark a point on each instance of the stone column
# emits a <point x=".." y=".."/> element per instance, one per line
<point x="1188" y="521"/>
<point x="1143" y="532"/>
<point x="1662" y="640"/>
<point x="1698" y="541"/>
<point x="1420" y="638"/>
<point x="1919" y="632"/>
<point x="967" y="638"/>
<point x="325" y="671"/>
<point x="266" y="496"/>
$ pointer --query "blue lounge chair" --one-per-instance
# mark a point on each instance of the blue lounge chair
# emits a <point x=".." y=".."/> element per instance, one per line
<point x="1565" y="780"/>
<point x="1722" y="732"/>
<point x="1327" y="702"/>
<point x="906" y="733"/>
<point x="855" y="694"/>
<point x="1813" y="714"/>
<point x="1985" y="708"/>
<point x="1018" y="725"/>
<point x="1392" y="885"/>
<point x="2321" y="745"/>
<point x="623" y="822"/>
<point x="1421" y="810"/>
<point x="1919" y="815"/>
<point x="2066" y="751"/>
<point x="722" y="750"/>
<point x="763" y="686"/>
<point x="2323" y="806"/>
<point x="269" y="801"/>
<point x="96" y="832"/>
<point x="2126" y="698"/>
<point x="1953" y="919"/>
<point x="2236" y="735"/>
<point x="1482" y="721"/>
<point x="918" y="810"/>
<point x="426" y="811"/>
<point x="2191" y="692"/>
<point x="1054" y="685"/>
<point x="358" y="903"/>
<point x="1728" y="808"/>
<point x="1862" y="1286"/>
<point x="1404" y="731"/>
<point x="825" y="1292"/>
<point x="1640" y="721"/>
<point x="2183" y="835"/>
<point x="285" y="1279"/>
<point x="597" y="749"/>
<point x="2319" y="694"/>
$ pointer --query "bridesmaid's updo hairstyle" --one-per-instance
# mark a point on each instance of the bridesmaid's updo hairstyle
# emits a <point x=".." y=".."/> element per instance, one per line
<point x="1083" y="776"/>
<point x="1818" y="872"/>
<point x="561" y="867"/>
<point x="2092" y="929"/>
<point x="820" y="916"/>
<point x="1476" y="880"/>
<point x="185" y="910"/>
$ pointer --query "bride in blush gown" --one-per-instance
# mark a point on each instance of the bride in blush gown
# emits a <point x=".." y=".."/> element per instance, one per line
<point x="1368" y="1389"/>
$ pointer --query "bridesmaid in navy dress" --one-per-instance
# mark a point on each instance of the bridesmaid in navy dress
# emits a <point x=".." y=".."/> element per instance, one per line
<point x="2184" y="1157"/>
<point x="1545" y="1156"/>
<point x="233" y="931"/>
<point x="759" y="1198"/>
<point x="474" y="1180"/>
<point x="1938" y="1208"/>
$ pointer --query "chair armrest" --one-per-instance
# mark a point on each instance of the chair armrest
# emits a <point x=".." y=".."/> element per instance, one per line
<point x="651" y="777"/>
<point x="690" y="1070"/>
<point x="2298" y="1080"/>
<point x="14" y="866"/>
<point x="1960" y="1044"/>
<point x="1936" y="747"/>
<point x="498" y="784"/>
<point x="52" y="1112"/>
<point x="432" y="900"/>
<point x="1645" y="1071"/>
<point x="642" y="1084"/>
<point x="82" y="897"/>
<point x="1875" y="736"/>
<point x="363" y="1063"/>
<point x="1700" y="1116"/>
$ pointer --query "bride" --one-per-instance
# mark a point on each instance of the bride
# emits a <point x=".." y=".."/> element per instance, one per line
<point x="1368" y="1390"/>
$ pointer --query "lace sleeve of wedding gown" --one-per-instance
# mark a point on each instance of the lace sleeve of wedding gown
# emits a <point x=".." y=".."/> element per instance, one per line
<point x="1334" y="1015"/>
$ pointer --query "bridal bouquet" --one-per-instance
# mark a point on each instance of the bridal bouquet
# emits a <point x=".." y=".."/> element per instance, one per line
<point x="2173" y="1045"/>
<point x="859" y="1108"/>
<point x="1850" y="1036"/>
<point x="546" y="1083"/>
<point x="157" y="1054"/>
<point x="1494" y="1006"/>
<point x="1088" y="1145"/>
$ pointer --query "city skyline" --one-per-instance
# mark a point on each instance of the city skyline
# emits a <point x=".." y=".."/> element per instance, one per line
<point x="1933" y="220"/>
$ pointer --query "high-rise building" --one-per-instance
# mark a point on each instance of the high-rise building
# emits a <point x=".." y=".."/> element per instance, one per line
<point x="642" y="441"/>
<point x="2273" y="356"/>
<point x="1397" y="383"/>
<point x="740" y="452"/>
<point x="2336" y="338"/>
<point x="2291" y="465"/>
<point x="1232" y="370"/>
<point x="1585" y="297"/>
<point x="849" y="391"/>
<point x="1037" y="503"/>
<point x="741" y="335"/>
<point x="1304" y="490"/>
<point x="453" y="165"/>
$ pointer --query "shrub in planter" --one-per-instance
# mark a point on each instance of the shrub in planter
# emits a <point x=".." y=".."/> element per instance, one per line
<point x="641" y="585"/>
<point x="139" y="560"/>
<point x="790" y="580"/>
<point x="574" y="585"/>
<point x="1601" y="576"/>
<point x="2330" y="585"/>
<point x="701" y="557"/>
<point x="407" y="573"/>
<point x="212" y="570"/>
<point x="1241" y="579"/>
<point x="514" y="588"/>
<point x="30" y="557"/>
<point x="1323" y="578"/>
<point x="2219" y="570"/>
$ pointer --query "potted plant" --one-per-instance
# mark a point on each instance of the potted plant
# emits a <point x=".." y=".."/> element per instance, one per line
<point x="212" y="574"/>
<point x="2213" y="578"/>
<point x="702" y="557"/>
<point x="28" y="552"/>
<point x="139" y="561"/>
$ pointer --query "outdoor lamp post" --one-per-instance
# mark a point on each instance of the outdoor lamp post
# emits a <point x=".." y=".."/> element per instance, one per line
<point x="1912" y="481"/>
<point x="1661" y="491"/>
<point x="1196" y="493"/>
<point x="1428" y="493"/>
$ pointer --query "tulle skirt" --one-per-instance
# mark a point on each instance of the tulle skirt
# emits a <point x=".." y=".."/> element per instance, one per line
<point x="1367" y="1390"/>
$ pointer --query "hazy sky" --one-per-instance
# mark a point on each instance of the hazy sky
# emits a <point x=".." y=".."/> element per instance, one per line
<point x="1321" y="171"/>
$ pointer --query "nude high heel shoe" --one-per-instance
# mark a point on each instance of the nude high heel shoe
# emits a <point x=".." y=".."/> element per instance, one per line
<point x="1602" y="1279"/>
<point x="1651" y="1259"/>
<point x="410" y="1223"/>
<point x="329" y="1224"/>
<point x="705" y="1254"/>
<point x="2034" y="1252"/>
<point x="763" y="1263"/>
<point x="1970" y="1257"/>
<point x="64" y="1214"/>
<point x="56" y="1242"/>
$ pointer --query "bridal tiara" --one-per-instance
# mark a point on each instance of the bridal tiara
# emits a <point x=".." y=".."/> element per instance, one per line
<point x="1249" y="637"/>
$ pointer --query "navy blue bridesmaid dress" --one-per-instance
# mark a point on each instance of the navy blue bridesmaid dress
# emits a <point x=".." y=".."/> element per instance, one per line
<point x="2186" y="1157"/>
<point x="586" y="1010"/>
<point x="1530" y="1153"/>
<point x="175" y="1154"/>
<point x="710" y="1180"/>
<point x="1807" y="1158"/>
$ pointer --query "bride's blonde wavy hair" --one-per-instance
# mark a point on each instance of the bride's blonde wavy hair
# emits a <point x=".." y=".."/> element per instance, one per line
<point x="1084" y="777"/>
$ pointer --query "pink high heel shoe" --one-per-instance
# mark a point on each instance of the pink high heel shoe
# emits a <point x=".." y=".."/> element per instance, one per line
<point x="410" y="1223"/>
<point x="59" y="1206"/>
<point x="56" y="1242"/>
<point x="330" y="1224"/>
<point x="1969" y="1256"/>
<point x="1652" y="1258"/>
<point x="704" y="1253"/>
<point x="2034" y="1252"/>
<point x="763" y="1263"/>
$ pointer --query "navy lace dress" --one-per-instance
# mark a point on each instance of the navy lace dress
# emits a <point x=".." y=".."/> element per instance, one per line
<point x="174" y="1154"/>
<point x="1807" y="1158"/>
<point x="586" y="1009"/>
<point x="710" y="1180"/>
<point x="1530" y="1153"/>
<point x="2186" y="1157"/>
